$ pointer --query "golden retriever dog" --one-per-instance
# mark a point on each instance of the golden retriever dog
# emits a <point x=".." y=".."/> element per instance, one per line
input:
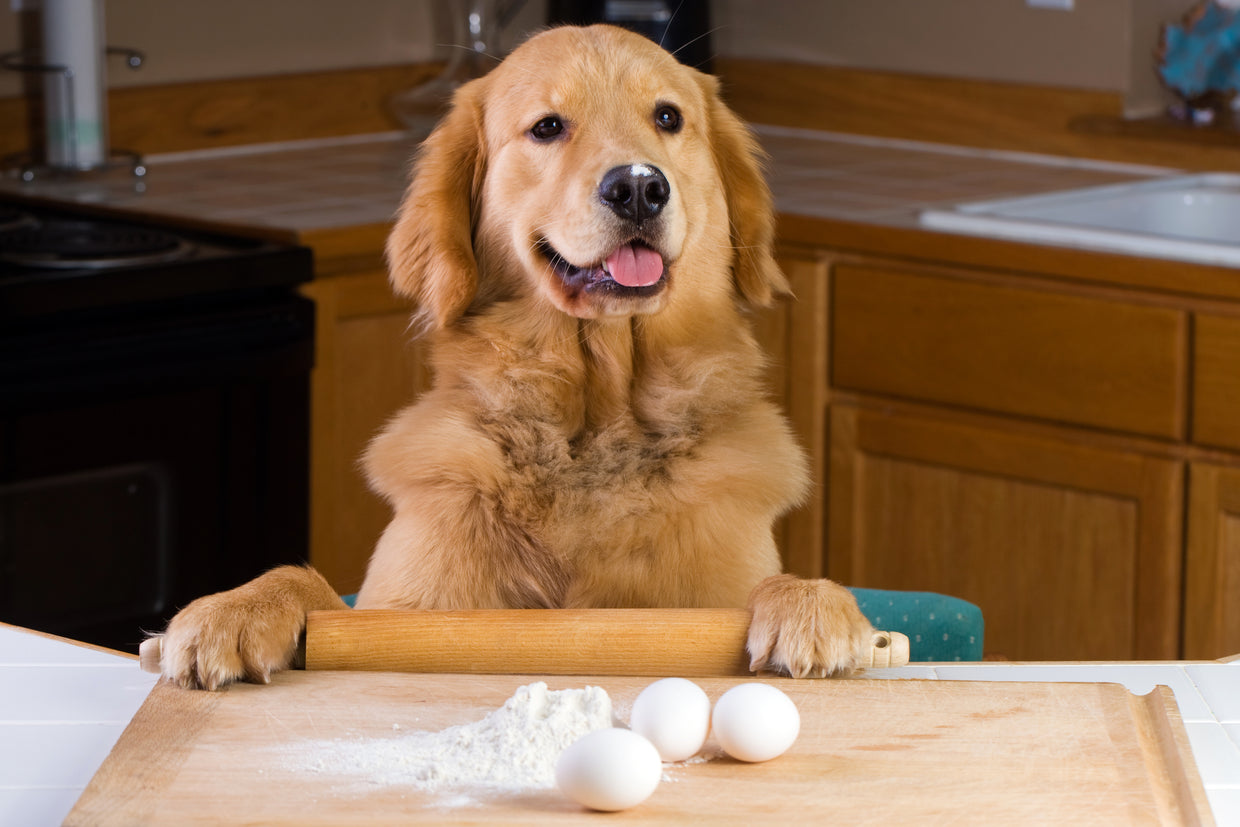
<point x="583" y="240"/>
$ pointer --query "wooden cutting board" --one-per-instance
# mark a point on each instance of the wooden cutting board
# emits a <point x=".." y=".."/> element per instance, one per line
<point x="870" y="751"/>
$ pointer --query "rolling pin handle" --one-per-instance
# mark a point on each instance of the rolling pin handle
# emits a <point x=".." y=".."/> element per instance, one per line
<point x="888" y="649"/>
<point x="150" y="652"/>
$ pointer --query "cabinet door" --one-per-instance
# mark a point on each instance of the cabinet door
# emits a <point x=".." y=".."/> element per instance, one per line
<point x="794" y="336"/>
<point x="1216" y="381"/>
<point x="1212" y="593"/>
<point x="1071" y="551"/>
<point x="366" y="369"/>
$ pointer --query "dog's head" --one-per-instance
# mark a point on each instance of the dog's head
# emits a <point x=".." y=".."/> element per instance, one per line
<point x="593" y="170"/>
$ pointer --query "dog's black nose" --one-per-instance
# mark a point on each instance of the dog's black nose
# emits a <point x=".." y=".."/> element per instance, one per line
<point x="636" y="191"/>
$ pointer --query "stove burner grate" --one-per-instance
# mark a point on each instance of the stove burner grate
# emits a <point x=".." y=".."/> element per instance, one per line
<point x="12" y="218"/>
<point x="67" y="244"/>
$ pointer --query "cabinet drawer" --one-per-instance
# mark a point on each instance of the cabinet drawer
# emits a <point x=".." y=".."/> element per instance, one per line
<point x="1216" y="381"/>
<point x="1010" y="350"/>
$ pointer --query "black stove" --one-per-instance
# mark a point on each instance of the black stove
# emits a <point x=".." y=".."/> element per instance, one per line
<point x="53" y="261"/>
<point x="78" y="244"/>
<point x="154" y="417"/>
<point x="12" y="218"/>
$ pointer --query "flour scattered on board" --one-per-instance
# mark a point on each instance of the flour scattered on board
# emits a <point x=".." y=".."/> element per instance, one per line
<point x="513" y="748"/>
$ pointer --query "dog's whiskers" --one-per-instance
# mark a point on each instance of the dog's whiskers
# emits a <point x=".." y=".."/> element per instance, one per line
<point x="689" y="43"/>
<point x="670" y="19"/>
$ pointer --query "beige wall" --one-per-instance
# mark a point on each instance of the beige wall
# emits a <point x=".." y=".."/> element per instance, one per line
<point x="196" y="40"/>
<point x="1101" y="44"/>
<point x="997" y="39"/>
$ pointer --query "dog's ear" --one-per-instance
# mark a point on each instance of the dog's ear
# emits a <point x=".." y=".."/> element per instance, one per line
<point x="430" y="250"/>
<point x="751" y="210"/>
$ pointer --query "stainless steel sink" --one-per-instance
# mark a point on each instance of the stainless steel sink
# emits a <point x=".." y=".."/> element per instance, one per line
<point x="1185" y="217"/>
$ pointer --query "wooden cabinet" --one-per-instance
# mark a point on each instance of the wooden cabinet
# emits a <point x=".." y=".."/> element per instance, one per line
<point x="1010" y="349"/>
<point x="1216" y="381"/>
<point x="1072" y="551"/>
<point x="1058" y="453"/>
<point x="1212" y="590"/>
<point x="366" y="369"/>
<point x="794" y="335"/>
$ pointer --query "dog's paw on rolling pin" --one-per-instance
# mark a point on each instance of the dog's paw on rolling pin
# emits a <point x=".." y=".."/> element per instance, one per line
<point x="806" y="628"/>
<point x="245" y="634"/>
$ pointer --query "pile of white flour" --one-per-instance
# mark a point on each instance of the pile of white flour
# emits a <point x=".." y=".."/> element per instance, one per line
<point x="513" y="748"/>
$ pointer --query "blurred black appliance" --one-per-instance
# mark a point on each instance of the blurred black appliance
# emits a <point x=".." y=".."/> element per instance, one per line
<point x="154" y="418"/>
<point x="680" y="26"/>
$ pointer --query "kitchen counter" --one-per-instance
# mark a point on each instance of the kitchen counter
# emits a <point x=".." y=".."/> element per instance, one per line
<point x="311" y="191"/>
<point x="844" y="192"/>
<point x="63" y="706"/>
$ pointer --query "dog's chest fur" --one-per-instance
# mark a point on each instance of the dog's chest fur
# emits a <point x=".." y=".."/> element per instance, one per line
<point x="606" y="509"/>
<point x="617" y="459"/>
<point x="591" y="430"/>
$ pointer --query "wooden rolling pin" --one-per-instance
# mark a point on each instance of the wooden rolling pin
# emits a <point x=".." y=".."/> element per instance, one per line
<point x="639" y="642"/>
<point x="636" y="642"/>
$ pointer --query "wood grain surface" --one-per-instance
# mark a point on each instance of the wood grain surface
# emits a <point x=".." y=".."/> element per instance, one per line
<point x="1060" y="511"/>
<point x="663" y="642"/>
<point x="685" y="642"/>
<point x="869" y="751"/>
<point x="1023" y="352"/>
<point x="964" y="111"/>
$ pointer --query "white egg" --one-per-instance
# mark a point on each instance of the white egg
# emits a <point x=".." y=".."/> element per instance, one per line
<point x="609" y="769"/>
<point x="755" y="722"/>
<point x="674" y="715"/>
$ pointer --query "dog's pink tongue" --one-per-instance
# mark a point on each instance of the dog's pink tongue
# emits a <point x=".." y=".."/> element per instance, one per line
<point x="634" y="265"/>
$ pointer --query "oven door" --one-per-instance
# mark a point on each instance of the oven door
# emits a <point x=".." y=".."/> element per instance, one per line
<point x="148" y="459"/>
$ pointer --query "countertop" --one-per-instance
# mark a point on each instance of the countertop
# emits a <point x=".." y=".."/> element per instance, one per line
<point x="63" y="706"/>
<point x="844" y="193"/>
<point x="305" y="189"/>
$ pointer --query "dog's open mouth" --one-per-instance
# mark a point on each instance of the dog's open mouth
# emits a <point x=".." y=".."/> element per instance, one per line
<point x="632" y="269"/>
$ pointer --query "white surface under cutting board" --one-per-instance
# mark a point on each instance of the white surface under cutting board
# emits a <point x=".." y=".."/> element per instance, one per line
<point x="63" y="706"/>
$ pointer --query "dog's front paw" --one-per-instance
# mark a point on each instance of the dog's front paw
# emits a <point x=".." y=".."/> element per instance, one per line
<point x="806" y="628"/>
<point x="220" y="639"/>
<point x="247" y="634"/>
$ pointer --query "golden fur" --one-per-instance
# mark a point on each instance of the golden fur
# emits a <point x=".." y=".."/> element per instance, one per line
<point x="586" y="443"/>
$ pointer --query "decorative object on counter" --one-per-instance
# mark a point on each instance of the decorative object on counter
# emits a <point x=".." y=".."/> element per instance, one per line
<point x="72" y="65"/>
<point x="680" y="26"/>
<point x="1199" y="60"/>
<point x="477" y="25"/>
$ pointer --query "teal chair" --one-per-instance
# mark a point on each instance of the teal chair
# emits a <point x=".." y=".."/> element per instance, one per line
<point x="939" y="628"/>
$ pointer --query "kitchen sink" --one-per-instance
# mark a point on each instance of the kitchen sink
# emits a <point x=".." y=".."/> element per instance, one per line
<point x="1186" y="217"/>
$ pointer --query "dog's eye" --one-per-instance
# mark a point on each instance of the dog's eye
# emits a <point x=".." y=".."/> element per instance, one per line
<point x="667" y="118"/>
<point x="547" y="128"/>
